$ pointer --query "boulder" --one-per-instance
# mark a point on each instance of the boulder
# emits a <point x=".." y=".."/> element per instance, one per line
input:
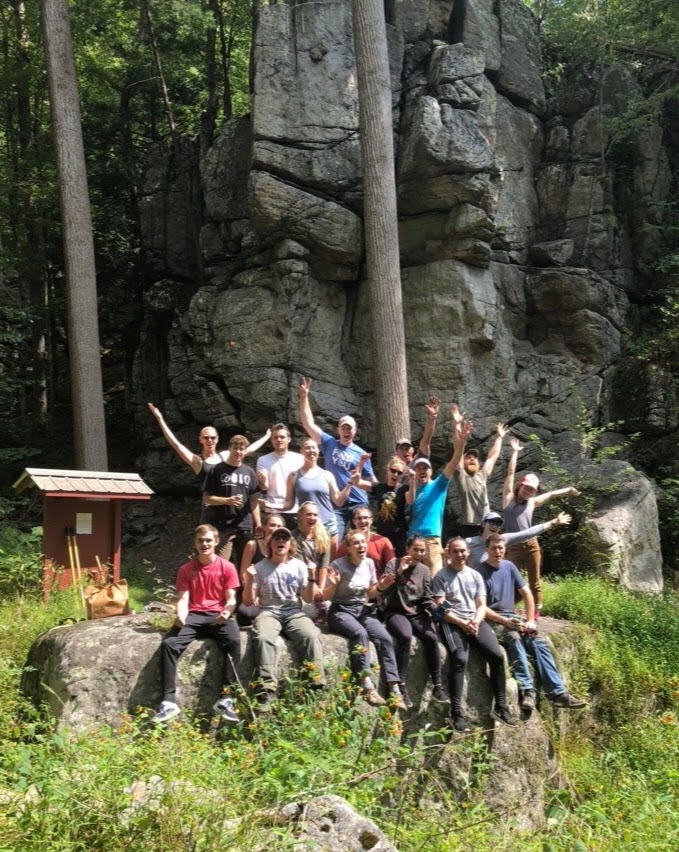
<point x="474" y="22"/>
<point x="621" y="538"/>
<point x="552" y="253"/>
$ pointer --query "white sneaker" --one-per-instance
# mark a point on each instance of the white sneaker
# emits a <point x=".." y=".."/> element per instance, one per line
<point x="167" y="710"/>
<point x="225" y="708"/>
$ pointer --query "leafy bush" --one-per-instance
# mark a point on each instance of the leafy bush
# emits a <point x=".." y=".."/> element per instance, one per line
<point x="21" y="570"/>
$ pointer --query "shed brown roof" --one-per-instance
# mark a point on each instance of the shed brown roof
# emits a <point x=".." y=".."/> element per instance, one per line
<point x="102" y="483"/>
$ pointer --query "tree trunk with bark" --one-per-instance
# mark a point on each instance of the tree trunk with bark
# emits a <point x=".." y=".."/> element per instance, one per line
<point x="81" y="285"/>
<point x="381" y="225"/>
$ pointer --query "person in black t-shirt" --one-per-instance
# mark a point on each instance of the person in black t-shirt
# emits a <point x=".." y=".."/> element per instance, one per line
<point x="230" y="499"/>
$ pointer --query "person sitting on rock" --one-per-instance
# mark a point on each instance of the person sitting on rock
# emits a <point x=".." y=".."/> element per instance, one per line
<point x="253" y="552"/>
<point x="206" y="589"/>
<point x="341" y="455"/>
<point x="380" y="549"/>
<point x="518" y="504"/>
<point x="314" y="546"/>
<point x="471" y="478"/>
<point x="278" y="584"/>
<point x="408" y="607"/>
<point x="460" y="597"/>
<point x="352" y="582"/>
<point x="520" y="638"/>
<point x="426" y="497"/>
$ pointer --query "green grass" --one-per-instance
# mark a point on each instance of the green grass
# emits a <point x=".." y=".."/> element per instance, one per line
<point x="619" y="764"/>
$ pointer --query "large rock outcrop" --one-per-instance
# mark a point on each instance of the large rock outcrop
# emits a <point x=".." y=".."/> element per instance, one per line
<point x="96" y="672"/>
<point x="523" y="250"/>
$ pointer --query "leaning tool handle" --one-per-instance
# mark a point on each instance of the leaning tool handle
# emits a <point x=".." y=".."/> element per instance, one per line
<point x="103" y="573"/>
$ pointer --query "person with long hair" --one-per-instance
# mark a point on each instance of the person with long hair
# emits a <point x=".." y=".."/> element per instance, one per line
<point x="311" y="483"/>
<point x="253" y="552"/>
<point x="518" y="504"/>
<point x="380" y="549"/>
<point x="314" y="547"/>
<point x="408" y="607"/>
<point x="352" y="582"/>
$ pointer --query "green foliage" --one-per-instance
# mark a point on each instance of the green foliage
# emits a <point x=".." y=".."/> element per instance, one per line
<point x="21" y="570"/>
<point x="623" y="777"/>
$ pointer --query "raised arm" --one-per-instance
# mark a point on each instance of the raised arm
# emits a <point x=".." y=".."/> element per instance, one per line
<point x="458" y="417"/>
<point x="432" y="410"/>
<point x="561" y="520"/>
<point x="462" y="429"/>
<point x="508" y="489"/>
<point x="193" y="460"/>
<point x="305" y="414"/>
<point x="501" y="430"/>
<point x="252" y="448"/>
<point x="541" y="499"/>
<point x="339" y="498"/>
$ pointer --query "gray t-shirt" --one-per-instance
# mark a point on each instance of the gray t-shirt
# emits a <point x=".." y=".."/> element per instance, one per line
<point x="460" y="589"/>
<point x="473" y="494"/>
<point x="279" y="587"/>
<point x="355" y="580"/>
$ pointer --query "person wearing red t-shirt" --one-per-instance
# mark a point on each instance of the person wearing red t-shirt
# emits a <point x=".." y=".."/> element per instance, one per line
<point x="380" y="549"/>
<point x="206" y="590"/>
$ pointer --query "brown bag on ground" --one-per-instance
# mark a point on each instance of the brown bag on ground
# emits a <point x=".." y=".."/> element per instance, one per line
<point x="107" y="600"/>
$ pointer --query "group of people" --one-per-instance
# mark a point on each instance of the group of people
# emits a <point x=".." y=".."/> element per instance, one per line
<point x="311" y="551"/>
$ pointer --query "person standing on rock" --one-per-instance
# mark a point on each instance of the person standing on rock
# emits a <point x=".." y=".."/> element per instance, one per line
<point x="206" y="589"/>
<point x="273" y="471"/>
<point x="427" y="497"/>
<point x="518" y="505"/>
<point x="208" y="438"/>
<point x="460" y="597"/>
<point x="231" y="498"/>
<point x="492" y="522"/>
<point x="279" y="584"/>
<point x="405" y="449"/>
<point x="471" y="479"/>
<point x="341" y="455"/>
<point x="520" y="638"/>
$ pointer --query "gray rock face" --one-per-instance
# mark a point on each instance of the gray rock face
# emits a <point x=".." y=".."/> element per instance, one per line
<point x="623" y="532"/>
<point x="523" y="249"/>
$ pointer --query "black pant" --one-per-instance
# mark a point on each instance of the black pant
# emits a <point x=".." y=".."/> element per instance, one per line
<point x="457" y="644"/>
<point x="199" y="625"/>
<point x="402" y="627"/>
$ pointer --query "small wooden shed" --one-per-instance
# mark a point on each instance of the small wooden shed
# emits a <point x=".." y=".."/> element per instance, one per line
<point x="87" y="504"/>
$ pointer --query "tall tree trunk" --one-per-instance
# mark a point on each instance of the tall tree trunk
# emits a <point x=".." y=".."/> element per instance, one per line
<point x="81" y="285"/>
<point x="209" y="116"/>
<point x="381" y="224"/>
<point x="155" y="49"/>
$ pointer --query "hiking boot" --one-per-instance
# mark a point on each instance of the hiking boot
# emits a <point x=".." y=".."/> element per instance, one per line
<point x="527" y="699"/>
<point x="460" y="724"/>
<point x="437" y="694"/>
<point x="397" y="701"/>
<point x="567" y="701"/>
<point x="371" y="696"/>
<point x="502" y="714"/>
<point x="167" y="710"/>
<point x="225" y="708"/>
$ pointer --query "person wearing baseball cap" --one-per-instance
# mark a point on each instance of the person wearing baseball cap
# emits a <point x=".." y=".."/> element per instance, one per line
<point x="471" y="479"/>
<point x="426" y="497"/>
<point x="405" y="449"/>
<point x="518" y="503"/>
<point x="341" y="455"/>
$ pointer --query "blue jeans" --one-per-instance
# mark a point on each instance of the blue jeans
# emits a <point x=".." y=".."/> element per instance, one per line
<point x="520" y="647"/>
